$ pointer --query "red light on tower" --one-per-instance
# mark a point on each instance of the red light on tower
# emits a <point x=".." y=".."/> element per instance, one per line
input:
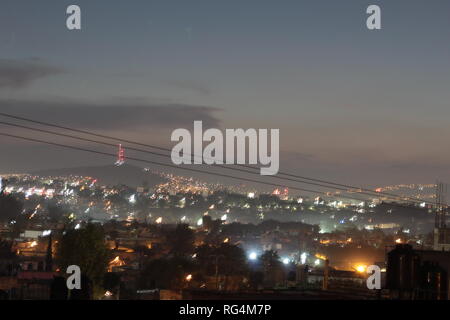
<point x="120" y="156"/>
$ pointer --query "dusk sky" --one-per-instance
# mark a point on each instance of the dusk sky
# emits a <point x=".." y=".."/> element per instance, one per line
<point x="352" y="105"/>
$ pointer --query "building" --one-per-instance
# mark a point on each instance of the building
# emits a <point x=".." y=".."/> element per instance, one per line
<point x="418" y="274"/>
<point x="441" y="239"/>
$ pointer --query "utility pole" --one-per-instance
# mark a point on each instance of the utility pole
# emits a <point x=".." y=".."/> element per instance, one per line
<point x="441" y="232"/>
<point x="217" y="257"/>
<point x="441" y="206"/>
<point x="326" y="274"/>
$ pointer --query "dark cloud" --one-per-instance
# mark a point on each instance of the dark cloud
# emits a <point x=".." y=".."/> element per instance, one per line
<point x="120" y="114"/>
<point x="21" y="73"/>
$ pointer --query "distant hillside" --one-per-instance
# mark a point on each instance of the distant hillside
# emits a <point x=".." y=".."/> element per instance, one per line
<point x="110" y="175"/>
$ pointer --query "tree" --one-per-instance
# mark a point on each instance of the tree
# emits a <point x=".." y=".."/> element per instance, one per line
<point x="55" y="212"/>
<point x="203" y="256"/>
<point x="234" y="260"/>
<point x="87" y="249"/>
<point x="111" y="282"/>
<point x="8" y="257"/>
<point x="181" y="240"/>
<point x="224" y="261"/>
<point x="165" y="273"/>
<point x="10" y="208"/>
<point x="270" y="259"/>
<point x="256" y="279"/>
<point x="272" y="267"/>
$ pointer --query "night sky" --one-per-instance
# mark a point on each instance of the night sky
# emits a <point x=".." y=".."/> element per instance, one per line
<point x="352" y="105"/>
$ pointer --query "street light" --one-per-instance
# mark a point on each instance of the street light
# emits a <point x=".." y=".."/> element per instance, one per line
<point x="303" y="257"/>
<point x="361" y="268"/>
<point x="252" y="256"/>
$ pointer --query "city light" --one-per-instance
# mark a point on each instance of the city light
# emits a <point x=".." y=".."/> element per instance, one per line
<point x="303" y="257"/>
<point x="285" y="261"/>
<point x="321" y="256"/>
<point x="361" y="268"/>
<point x="116" y="262"/>
<point x="132" y="199"/>
<point x="253" y="256"/>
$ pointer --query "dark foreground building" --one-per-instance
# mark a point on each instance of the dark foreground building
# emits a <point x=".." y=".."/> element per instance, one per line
<point x="418" y="274"/>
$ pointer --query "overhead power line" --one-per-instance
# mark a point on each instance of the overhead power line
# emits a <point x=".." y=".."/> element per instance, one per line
<point x="168" y="165"/>
<point x="359" y="191"/>
<point x="183" y="168"/>
<point x="317" y="182"/>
